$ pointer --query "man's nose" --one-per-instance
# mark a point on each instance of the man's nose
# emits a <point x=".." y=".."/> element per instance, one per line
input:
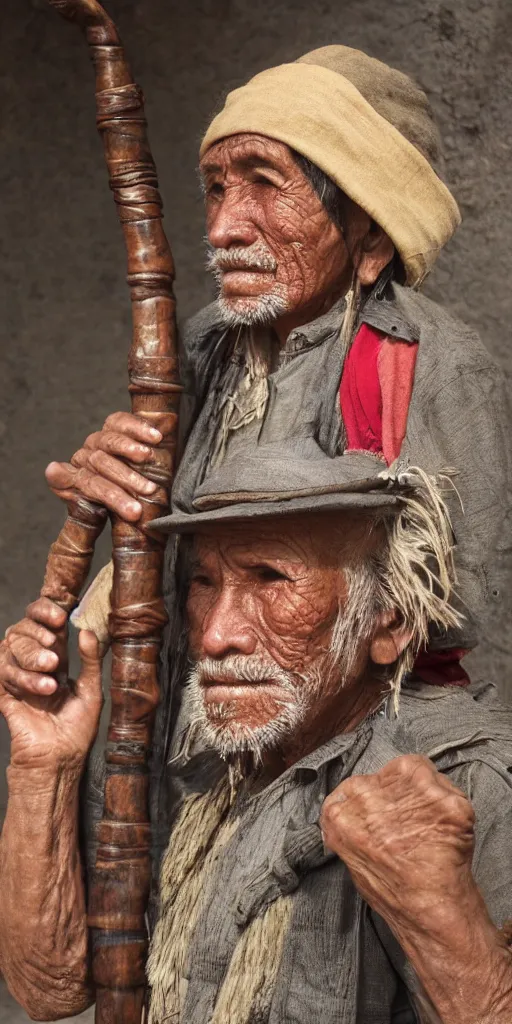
<point x="227" y="628"/>
<point x="230" y="222"/>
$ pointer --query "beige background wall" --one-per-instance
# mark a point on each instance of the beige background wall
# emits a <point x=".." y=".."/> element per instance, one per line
<point x="65" y="318"/>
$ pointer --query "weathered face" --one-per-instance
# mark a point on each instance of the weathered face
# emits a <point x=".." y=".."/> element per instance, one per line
<point x="277" y="253"/>
<point x="262" y="604"/>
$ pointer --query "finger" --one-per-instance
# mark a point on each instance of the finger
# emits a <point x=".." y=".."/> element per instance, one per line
<point x="29" y="628"/>
<point x="22" y="683"/>
<point x="120" y="474"/>
<point x="114" y="443"/>
<point x="60" y="475"/>
<point x="47" y="613"/>
<point x="84" y="483"/>
<point x="133" y="426"/>
<point x="88" y="684"/>
<point x="29" y="654"/>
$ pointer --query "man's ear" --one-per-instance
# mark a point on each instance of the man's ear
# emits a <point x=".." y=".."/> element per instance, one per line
<point x="377" y="251"/>
<point x="389" y="639"/>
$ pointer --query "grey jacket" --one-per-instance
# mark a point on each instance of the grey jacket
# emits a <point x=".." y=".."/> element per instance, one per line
<point x="340" y="962"/>
<point x="457" y="419"/>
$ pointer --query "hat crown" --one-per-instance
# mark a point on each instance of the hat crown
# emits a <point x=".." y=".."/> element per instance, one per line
<point x="393" y="94"/>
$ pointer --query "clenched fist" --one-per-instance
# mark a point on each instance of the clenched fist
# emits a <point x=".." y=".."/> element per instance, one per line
<point x="405" y="833"/>
<point x="105" y="470"/>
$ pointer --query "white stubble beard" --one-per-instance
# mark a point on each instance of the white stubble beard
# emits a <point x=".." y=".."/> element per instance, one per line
<point x="230" y="737"/>
<point x="248" y="311"/>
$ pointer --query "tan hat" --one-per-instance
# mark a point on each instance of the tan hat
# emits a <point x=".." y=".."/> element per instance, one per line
<point x="367" y="126"/>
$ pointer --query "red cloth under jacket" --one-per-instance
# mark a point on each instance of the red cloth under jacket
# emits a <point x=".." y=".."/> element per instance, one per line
<point x="375" y="392"/>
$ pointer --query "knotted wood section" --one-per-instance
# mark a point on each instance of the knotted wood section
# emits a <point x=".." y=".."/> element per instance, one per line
<point x="120" y="890"/>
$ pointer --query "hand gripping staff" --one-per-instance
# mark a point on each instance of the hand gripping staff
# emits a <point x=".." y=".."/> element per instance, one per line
<point x="119" y="893"/>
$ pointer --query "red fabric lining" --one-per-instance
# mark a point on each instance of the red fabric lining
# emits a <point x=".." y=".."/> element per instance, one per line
<point x="375" y="393"/>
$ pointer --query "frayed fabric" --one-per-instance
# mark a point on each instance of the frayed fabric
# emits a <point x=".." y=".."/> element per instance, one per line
<point x="250" y="982"/>
<point x="202" y="832"/>
<point x="249" y="401"/>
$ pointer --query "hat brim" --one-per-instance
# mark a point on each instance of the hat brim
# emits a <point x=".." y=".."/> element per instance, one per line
<point x="383" y="502"/>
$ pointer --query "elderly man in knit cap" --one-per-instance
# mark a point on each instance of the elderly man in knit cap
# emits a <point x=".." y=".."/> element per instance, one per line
<point x="339" y="861"/>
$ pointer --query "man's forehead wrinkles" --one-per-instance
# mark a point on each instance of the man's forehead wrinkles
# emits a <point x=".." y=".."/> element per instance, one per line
<point x="246" y="152"/>
<point x="259" y="541"/>
<point x="264" y="546"/>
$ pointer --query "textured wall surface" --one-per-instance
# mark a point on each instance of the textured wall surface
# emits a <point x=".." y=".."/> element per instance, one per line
<point x="65" y="317"/>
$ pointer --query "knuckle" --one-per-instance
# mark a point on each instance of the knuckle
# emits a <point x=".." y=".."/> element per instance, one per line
<point x="111" y="441"/>
<point x="459" y="807"/>
<point x="95" y="458"/>
<point x="79" y="458"/>
<point x="36" y="608"/>
<point x="114" y="421"/>
<point x="330" y="812"/>
<point x="5" y="654"/>
<point x="408" y="765"/>
<point x="9" y="638"/>
<point x="360" y="784"/>
<point x="432" y="793"/>
<point x="43" y="608"/>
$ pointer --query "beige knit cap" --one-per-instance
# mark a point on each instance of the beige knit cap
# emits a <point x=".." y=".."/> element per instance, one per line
<point x="366" y="125"/>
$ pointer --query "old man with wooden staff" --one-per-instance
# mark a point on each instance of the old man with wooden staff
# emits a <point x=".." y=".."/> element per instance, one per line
<point x="342" y="852"/>
<point x="341" y="476"/>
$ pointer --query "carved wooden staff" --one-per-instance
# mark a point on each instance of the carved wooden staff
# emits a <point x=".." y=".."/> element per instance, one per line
<point x="119" y="893"/>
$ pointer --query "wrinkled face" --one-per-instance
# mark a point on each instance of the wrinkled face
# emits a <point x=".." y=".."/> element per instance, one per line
<point x="262" y="604"/>
<point x="275" y="250"/>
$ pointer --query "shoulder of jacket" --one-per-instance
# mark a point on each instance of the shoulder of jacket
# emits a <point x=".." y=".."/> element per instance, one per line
<point x="441" y="722"/>
<point x="424" y="315"/>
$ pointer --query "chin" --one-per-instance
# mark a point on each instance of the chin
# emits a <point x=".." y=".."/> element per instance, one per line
<point x="251" y="310"/>
<point x="231" y="734"/>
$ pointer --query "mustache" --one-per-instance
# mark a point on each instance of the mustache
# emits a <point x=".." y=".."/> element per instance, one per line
<point x="235" y="669"/>
<point x="239" y="257"/>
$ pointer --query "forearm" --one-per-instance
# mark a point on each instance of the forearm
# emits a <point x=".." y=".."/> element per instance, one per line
<point x="461" y="961"/>
<point x="43" y="929"/>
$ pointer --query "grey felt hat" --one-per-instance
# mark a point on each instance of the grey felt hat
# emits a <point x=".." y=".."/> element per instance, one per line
<point x="280" y="479"/>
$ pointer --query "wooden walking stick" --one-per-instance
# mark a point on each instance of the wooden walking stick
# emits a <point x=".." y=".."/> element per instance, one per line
<point x="119" y="893"/>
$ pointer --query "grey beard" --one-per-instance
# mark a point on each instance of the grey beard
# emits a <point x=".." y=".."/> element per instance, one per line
<point x="352" y="629"/>
<point x="231" y="738"/>
<point x="251" y="311"/>
<point x="255" y="312"/>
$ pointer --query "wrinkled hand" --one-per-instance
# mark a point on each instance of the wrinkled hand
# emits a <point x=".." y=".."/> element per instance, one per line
<point x="406" y="835"/>
<point x="99" y="472"/>
<point x="50" y="725"/>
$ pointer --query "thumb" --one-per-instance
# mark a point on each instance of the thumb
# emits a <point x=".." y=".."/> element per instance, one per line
<point x="88" y="684"/>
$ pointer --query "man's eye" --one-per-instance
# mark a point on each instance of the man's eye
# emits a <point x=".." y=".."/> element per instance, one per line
<point x="260" y="179"/>
<point x="269" y="575"/>
<point x="214" y="190"/>
<point x="201" y="580"/>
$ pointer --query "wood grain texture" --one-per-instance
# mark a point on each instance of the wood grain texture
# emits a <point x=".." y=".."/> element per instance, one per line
<point x="120" y="889"/>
